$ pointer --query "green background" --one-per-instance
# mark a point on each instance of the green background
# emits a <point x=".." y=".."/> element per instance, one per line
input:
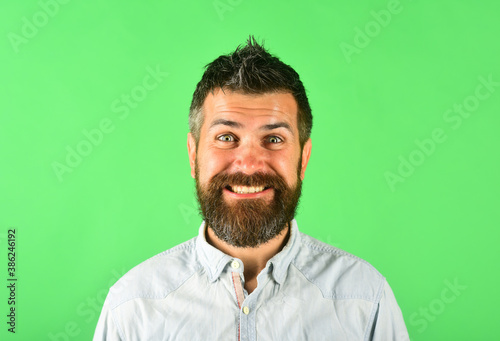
<point x="382" y="77"/>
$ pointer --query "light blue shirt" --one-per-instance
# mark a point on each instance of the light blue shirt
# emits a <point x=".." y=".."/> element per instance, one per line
<point x="308" y="291"/>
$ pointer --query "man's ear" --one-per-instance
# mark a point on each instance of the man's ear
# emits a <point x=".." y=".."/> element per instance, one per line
<point x="306" y="154"/>
<point x="191" y="144"/>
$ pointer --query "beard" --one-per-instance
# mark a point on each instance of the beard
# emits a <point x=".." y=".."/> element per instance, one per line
<point x="247" y="222"/>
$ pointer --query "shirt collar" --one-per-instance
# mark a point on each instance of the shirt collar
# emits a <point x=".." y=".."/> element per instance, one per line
<point x="282" y="259"/>
<point x="214" y="260"/>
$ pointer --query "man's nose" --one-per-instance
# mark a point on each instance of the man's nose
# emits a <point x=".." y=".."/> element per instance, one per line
<point x="249" y="159"/>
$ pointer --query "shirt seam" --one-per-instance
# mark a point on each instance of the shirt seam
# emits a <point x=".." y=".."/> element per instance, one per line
<point x="334" y="250"/>
<point x="311" y="243"/>
<point x="121" y="333"/>
<point x="376" y="307"/>
<point x="186" y="246"/>
<point x="118" y="326"/>
<point x="333" y="295"/>
<point x="157" y="297"/>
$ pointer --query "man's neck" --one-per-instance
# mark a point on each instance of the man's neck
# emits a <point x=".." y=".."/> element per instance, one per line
<point x="254" y="258"/>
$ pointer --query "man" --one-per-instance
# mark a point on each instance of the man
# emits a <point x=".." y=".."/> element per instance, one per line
<point x="250" y="274"/>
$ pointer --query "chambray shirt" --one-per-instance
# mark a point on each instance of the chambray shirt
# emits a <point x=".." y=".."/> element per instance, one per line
<point x="308" y="291"/>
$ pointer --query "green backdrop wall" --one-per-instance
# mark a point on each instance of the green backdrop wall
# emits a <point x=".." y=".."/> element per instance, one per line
<point x="404" y="172"/>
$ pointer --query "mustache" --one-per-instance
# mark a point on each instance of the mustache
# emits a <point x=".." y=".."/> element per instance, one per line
<point x="223" y="180"/>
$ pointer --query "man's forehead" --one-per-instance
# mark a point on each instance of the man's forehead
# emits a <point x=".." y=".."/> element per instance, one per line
<point x="238" y="106"/>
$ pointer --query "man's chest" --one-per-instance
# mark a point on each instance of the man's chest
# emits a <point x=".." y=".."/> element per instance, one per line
<point x="211" y="311"/>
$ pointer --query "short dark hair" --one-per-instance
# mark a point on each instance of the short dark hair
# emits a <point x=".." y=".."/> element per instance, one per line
<point x="250" y="70"/>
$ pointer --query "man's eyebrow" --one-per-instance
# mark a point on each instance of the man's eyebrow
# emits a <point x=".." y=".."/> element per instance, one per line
<point x="277" y="125"/>
<point x="228" y="123"/>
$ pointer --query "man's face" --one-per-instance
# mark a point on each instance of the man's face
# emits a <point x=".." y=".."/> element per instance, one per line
<point x="248" y="165"/>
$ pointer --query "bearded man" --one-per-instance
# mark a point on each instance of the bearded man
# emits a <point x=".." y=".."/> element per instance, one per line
<point x="250" y="274"/>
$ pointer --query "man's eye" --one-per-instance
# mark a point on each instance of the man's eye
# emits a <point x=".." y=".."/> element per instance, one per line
<point x="226" y="138"/>
<point x="274" y="139"/>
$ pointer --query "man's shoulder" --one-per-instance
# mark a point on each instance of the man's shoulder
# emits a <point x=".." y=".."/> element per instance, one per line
<point x="337" y="273"/>
<point x="157" y="276"/>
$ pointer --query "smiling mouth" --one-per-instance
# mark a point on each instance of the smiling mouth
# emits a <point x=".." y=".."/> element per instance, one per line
<point x="246" y="189"/>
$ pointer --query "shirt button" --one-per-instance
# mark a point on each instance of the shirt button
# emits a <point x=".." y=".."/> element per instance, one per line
<point x="235" y="264"/>
<point x="246" y="310"/>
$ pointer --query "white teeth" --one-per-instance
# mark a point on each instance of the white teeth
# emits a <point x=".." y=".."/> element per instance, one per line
<point x="246" y="189"/>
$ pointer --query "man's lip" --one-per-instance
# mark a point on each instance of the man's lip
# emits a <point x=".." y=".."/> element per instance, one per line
<point x="232" y="194"/>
